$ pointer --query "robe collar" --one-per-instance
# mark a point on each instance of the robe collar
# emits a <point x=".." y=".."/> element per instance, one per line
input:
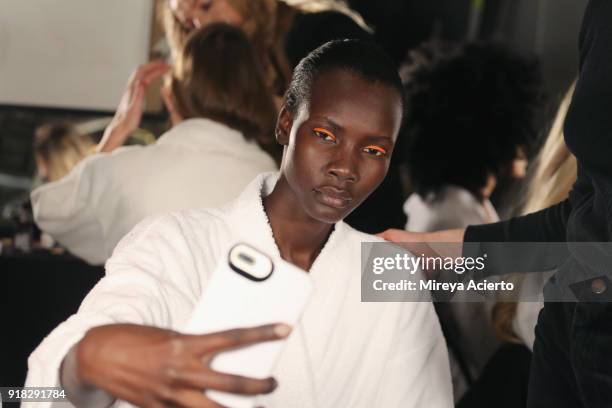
<point x="254" y="226"/>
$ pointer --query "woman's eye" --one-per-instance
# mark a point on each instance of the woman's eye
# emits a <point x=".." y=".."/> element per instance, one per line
<point x="324" y="134"/>
<point x="375" y="151"/>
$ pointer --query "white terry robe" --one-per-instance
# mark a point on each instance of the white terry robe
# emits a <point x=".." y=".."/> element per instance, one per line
<point x="199" y="163"/>
<point x="344" y="353"/>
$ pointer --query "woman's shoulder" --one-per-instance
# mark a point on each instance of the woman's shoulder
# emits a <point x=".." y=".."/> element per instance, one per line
<point x="451" y="207"/>
<point x="177" y="230"/>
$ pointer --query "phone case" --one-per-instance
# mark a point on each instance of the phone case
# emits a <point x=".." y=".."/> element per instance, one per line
<point x="249" y="289"/>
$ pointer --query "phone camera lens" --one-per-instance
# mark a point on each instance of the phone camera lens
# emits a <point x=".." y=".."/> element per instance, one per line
<point x="246" y="258"/>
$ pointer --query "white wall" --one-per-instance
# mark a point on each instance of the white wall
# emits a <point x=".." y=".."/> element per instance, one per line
<point x="71" y="53"/>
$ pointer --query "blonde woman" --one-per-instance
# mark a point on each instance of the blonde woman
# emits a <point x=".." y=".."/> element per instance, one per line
<point x="58" y="147"/>
<point x="266" y="23"/>
<point x="554" y="173"/>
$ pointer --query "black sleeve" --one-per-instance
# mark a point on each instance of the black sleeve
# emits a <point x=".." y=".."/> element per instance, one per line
<point x="509" y="245"/>
<point x="588" y="127"/>
<point x="547" y="225"/>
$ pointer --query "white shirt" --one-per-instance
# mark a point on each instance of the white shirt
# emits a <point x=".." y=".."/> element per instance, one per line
<point x="455" y="207"/>
<point x="197" y="164"/>
<point x="344" y="353"/>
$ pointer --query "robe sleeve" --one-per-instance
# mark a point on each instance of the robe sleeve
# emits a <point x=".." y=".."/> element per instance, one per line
<point x="417" y="372"/>
<point x="150" y="280"/>
<point x="66" y="210"/>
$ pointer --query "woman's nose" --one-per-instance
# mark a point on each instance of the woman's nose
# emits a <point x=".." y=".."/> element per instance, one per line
<point x="344" y="168"/>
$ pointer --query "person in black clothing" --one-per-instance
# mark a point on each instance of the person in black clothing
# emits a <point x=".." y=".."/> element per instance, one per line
<point x="572" y="362"/>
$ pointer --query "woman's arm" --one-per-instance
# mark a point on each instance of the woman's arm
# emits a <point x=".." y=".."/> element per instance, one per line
<point x="547" y="225"/>
<point x="543" y="226"/>
<point x="123" y="334"/>
<point x="129" y="113"/>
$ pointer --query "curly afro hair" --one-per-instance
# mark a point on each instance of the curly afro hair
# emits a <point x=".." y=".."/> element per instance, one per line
<point x="472" y="107"/>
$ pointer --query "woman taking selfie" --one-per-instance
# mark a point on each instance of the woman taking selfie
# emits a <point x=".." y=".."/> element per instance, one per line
<point x="338" y="126"/>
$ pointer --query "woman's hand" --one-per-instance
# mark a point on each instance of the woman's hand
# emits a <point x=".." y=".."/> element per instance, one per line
<point x="129" y="113"/>
<point x="402" y="236"/>
<point x="408" y="239"/>
<point x="152" y="367"/>
<point x="440" y="244"/>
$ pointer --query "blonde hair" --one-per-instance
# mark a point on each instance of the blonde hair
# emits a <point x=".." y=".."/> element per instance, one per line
<point x="554" y="174"/>
<point x="260" y="26"/>
<point x="555" y="167"/>
<point x="266" y="23"/>
<point x="259" y="22"/>
<point x="339" y="6"/>
<point x="60" y="147"/>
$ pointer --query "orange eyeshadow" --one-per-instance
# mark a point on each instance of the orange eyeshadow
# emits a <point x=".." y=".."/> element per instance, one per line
<point x="377" y="148"/>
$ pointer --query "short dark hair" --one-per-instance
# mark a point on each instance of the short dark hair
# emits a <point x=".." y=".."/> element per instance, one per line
<point x="471" y="109"/>
<point x="362" y="58"/>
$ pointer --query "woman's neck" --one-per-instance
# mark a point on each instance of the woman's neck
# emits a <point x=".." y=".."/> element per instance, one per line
<point x="299" y="237"/>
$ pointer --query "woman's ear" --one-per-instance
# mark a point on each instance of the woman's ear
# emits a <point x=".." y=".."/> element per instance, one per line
<point x="283" y="126"/>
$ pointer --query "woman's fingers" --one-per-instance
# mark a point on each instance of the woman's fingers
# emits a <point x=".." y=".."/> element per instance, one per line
<point x="146" y="73"/>
<point x="189" y="398"/>
<point x="156" y="72"/>
<point x="447" y="243"/>
<point x="396" y="235"/>
<point x="213" y="343"/>
<point x="200" y="377"/>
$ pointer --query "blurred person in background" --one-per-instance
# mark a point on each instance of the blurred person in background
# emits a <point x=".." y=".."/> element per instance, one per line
<point x="472" y="111"/>
<point x="280" y="32"/>
<point x="222" y="139"/>
<point x="58" y="147"/>
<point x="266" y="23"/>
<point x="472" y="116"/>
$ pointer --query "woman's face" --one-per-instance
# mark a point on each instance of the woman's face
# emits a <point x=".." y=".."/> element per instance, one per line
<point x="519" y="165"/>
<point x="339" y="145"/>
<point x="197" y="13"/>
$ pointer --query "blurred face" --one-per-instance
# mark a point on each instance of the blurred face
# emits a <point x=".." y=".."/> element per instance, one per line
<point x="338" y="147"/>
<point x="519" y="165"/>
<point x="197" y="13"/>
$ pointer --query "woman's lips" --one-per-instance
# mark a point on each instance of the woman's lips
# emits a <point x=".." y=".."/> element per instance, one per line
<point x="333" y="196"/>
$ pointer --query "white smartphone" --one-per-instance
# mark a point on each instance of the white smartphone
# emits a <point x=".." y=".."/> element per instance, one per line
<point x="249" y="288"/>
